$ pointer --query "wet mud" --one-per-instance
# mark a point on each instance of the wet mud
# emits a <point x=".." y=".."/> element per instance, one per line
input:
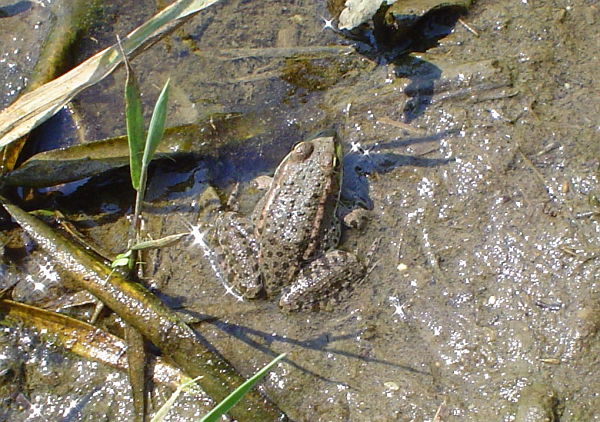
<point x="477" y="160"/>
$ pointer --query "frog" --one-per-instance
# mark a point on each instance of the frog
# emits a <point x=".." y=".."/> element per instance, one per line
<point x="286" y="249"/>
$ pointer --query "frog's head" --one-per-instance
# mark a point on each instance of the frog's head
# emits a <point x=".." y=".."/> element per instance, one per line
<point x="322" y="149"/>
<point x="313" y="167"/>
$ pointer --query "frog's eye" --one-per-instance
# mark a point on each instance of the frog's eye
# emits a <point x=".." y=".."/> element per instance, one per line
<point x="303" y="150"/>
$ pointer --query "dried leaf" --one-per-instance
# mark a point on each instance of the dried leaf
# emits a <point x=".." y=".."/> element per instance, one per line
<point x="86" y="340"/>
<point x="357" y="12"/>
<point x="57" y="166"/>
<point x="35" y="107"/>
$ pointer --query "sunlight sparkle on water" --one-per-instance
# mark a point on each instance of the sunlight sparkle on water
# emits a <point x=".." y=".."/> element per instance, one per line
<point x="425" y="188"/>
<point x="398" y="306"/>
<point x="199" y="240"/>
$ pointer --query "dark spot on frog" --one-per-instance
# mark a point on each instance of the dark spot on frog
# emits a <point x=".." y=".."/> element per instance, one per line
<point x="291" y="231"/>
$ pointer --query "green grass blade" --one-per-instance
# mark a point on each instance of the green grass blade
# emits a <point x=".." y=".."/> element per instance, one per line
<point x="162" y="412"/>
<point x="230" y="401"/>
<point x="123" y="260"/>
<point x="159" y="243"/>
<point x="135" y="126"/>
<point x="157" y="125"/>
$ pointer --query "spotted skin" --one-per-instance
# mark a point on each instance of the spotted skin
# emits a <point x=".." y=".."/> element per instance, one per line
<point x="319" y="282"/>
<point x="237" y="253"/>
<point x="298" y="211"/>
<point x="293" y="227"/>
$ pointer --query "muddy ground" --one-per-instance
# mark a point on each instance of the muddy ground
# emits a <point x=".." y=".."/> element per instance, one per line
<point x="479" y="160"/>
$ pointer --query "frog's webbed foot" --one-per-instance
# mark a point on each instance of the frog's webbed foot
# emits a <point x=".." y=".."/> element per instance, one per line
<point x="357" y="218"/>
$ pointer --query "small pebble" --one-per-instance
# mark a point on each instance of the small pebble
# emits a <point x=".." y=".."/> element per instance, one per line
<point x="357" y="219"/>
<point x="391" y="386"/>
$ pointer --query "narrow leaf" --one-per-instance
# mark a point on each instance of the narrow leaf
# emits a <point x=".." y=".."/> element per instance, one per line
<point x="135" y="125"/>
<point x="159" y="243"/>
<point x="228" y="402"/>
<point x="164" y="409"/>
<point x="157" y="125"/>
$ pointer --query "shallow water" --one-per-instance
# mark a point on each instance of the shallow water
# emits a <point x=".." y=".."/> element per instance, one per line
<point x="478" y="158"/>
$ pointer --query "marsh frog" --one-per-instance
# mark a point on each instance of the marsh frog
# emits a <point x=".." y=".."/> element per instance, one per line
<point x="287" y="247"/>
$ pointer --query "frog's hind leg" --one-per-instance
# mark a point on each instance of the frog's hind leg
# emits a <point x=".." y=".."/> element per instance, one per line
<point x="323" y="278"/>
<point x="237" y="243"/>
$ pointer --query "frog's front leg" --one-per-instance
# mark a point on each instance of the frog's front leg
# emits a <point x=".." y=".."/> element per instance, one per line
<point x="237" y="253"/>
<point x="323" y="278"/>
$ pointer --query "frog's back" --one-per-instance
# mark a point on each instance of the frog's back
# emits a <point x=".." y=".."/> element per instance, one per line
<point x="298" y="211"/>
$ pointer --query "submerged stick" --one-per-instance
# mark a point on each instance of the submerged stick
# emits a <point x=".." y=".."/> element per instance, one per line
<point x="144" y="311"/>
<point x="88" y="341"/>
<point x="317" y="51"/>
<point x="64" y="165"/>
